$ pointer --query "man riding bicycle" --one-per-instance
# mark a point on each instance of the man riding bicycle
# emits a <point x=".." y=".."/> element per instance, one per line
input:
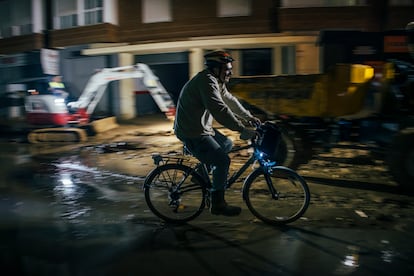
<point x="203" y="98"/>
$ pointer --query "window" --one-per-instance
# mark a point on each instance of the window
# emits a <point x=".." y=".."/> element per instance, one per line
<point x="93" y="12"/>
<point x="72" y="13"/>
<point x="66" y="14"/>
<point x="15" y="18"/>
<point x="228" y="8"/>
<point x="321" y="3"/>
<point x="156" y="11"/>
<point x="256" y="62"/>
<point x="68" y="21"/>
<point x="5" y="19"/>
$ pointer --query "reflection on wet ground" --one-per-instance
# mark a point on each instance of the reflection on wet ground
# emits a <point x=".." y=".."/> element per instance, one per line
<point x="64" y="214"/>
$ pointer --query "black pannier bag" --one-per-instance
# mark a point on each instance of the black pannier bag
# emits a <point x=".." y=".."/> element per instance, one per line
<point x="270" y="136"/>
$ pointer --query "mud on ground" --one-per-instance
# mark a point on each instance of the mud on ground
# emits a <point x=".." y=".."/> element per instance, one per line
<point x="349" y="188"/>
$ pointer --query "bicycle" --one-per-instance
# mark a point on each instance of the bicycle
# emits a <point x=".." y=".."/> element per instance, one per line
<point x="177" y="190"/>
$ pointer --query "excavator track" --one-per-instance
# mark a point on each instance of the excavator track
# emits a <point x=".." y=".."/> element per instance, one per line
<point x="49" y="135"/>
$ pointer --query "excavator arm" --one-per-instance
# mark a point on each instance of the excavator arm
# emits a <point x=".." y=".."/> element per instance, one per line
<point x="97" y="84"/>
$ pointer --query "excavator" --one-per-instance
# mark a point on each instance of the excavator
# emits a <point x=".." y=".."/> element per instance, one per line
<point x="71" y="122"/>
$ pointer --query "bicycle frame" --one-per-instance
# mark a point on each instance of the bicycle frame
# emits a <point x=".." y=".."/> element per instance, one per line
<point x="233" y="178"/>
<point x="256" y="156"/>
<point x="202" y="170"/>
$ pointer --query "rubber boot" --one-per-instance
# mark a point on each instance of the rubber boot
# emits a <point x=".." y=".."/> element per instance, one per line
<point x="220" y="207"/>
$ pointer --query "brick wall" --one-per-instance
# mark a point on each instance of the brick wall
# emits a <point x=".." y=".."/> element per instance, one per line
<point x="21" y="43"/>
<point x="192" y="19"/>
<point x="84" y="35"/>
<point x="325" y="18"/>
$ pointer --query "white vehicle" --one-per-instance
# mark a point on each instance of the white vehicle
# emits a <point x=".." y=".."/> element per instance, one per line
<point x="52" y="111"/>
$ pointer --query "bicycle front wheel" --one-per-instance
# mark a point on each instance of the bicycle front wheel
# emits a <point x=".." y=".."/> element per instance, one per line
<point x="174" y="193"/>
<point x="279" y="197"/>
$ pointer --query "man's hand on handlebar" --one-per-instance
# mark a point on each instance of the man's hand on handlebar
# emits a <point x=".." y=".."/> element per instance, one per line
<point x="248" y="134"/>
<point x="254" y="122"/>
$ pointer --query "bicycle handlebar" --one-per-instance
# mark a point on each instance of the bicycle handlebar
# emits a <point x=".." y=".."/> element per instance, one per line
<point x="267" y="135"/>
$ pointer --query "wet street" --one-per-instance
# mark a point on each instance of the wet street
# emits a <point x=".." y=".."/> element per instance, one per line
<point x="79" y="209"/>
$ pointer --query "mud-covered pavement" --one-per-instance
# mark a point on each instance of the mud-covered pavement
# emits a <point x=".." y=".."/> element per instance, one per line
<point x="79" y="210"/>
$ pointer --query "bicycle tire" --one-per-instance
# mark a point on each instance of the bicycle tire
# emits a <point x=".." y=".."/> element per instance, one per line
<point x="293" y="195"/>
<point x="169" y="203"/>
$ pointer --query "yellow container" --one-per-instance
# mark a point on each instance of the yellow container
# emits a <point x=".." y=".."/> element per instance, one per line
<point x="340" y="92"/>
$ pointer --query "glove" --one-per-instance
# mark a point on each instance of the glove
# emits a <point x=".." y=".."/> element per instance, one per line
<point x="247" y="134"/>
<point x="254" y="122"/>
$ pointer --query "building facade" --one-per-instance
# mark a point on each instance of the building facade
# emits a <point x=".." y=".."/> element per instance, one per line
<point x="267" y="37"/>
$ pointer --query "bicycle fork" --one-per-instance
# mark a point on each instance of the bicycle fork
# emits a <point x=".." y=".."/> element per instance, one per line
<point x="273" y="191"/>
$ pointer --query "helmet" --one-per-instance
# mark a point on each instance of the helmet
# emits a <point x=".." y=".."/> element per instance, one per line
<point x="217" y="58"/>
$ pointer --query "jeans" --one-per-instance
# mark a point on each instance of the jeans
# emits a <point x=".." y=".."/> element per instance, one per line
<point x="213" y="151"/>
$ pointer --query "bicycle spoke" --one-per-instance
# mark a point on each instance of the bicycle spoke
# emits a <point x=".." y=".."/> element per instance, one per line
<point x="174" y="195"/>
<point x="289" y="200"/>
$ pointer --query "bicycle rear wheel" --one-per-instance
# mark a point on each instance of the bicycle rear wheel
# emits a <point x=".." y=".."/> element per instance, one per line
<point x="279" y="197"/>
<point x="174" y="193"/>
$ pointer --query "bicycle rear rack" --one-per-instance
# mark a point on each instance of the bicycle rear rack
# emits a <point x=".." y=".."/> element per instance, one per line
<point x="162" y="159"/>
